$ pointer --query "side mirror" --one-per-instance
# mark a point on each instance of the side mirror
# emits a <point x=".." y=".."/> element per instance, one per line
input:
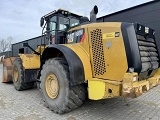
<point x="42" y="21"/>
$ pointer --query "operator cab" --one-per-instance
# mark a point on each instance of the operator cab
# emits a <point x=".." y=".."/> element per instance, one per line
<point x="57" y="23"/>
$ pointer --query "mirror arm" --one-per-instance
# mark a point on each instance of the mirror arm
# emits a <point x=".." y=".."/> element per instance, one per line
<point x="26" y="45"/>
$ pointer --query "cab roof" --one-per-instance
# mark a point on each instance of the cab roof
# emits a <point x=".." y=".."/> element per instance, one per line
<point x="61" y="11"/>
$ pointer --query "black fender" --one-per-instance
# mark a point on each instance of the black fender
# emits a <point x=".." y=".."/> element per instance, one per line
<point x="76" y="68"/>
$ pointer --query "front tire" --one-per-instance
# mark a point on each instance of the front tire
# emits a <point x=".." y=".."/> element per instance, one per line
<point x="58" y="95"/>
<point x="18" y="76"/>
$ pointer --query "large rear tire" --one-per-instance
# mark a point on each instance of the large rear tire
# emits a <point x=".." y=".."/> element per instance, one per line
<point x="58" y="95"/>
<point x="18" y="76"/>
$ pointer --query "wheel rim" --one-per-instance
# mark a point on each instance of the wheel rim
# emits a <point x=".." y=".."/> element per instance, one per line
<point x="52" y="86"/>
<point x="15" y="74"/>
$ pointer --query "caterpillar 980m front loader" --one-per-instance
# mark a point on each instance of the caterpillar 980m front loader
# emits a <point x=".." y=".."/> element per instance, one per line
<point x="89" y="59"/>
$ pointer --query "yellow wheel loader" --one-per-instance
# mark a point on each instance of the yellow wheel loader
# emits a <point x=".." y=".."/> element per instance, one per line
<point x="89" y="59"/>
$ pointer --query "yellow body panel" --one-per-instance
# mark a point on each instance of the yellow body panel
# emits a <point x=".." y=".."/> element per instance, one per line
<point x="30" y="61"/>
<point x="132" y="88"/>
<point x="85" y="44"/>
<point x="154" y="81"/>
<point x="84" y="56"/>
<point x="114" y="62"/>
<point x="110" y="55"/>
<point x="105" y="64"/>
<point x="129" y="87"/>
<point x="158" y="72"/>
<point x="40" y="49"/>
<point x="102" y="89"/>
<point x="96" y="89"/>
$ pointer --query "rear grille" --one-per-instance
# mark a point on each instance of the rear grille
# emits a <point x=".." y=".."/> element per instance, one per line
<point x="148" y="53"/>
<point x="98" y="52"/>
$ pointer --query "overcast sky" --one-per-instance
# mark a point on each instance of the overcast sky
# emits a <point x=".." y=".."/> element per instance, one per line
<point x="20" y="18"/>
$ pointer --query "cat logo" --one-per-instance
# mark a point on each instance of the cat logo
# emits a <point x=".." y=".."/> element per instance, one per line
<point x="70" y="37"/>
<point x="75" y="36"/>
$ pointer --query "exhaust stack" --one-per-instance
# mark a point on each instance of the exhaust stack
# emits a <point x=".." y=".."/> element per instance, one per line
<point x="93" y="14"/>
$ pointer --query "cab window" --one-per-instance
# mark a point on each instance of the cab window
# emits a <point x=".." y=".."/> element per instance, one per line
<point x="66" y="23"/>
<point x="63" y="23"/>
<point x="53" y="25"/>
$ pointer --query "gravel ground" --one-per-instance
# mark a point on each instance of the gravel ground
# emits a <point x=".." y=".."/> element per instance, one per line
<point x="28" y="105"/>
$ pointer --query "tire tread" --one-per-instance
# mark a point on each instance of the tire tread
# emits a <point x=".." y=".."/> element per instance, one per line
<point x="76" y="94"/>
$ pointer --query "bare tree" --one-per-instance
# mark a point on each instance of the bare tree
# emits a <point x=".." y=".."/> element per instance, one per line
<point x="6" y="44"/>
<point x="10" y="40"/>
<point x="3" y="45"/>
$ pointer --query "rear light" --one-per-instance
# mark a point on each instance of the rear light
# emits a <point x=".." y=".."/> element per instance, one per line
<point x="83" y="37"/>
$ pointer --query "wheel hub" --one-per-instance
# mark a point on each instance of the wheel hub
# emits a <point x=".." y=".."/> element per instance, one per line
<point x="52" y="86"/>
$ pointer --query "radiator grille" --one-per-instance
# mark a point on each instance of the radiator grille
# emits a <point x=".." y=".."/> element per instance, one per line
<point x="148" y="53"/>
<point x="98" y="52"/>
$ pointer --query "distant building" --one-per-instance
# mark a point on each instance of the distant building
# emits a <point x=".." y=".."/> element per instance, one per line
<point x="147" y="14"/>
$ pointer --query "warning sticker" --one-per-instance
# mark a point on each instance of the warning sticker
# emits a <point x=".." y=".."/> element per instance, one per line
<point x="111" y="35"/>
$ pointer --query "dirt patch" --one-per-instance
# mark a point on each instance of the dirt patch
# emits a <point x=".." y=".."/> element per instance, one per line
<point x="30" y="117"/>
<point x="71" y="118"/>
<point x="2" y="104"/>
